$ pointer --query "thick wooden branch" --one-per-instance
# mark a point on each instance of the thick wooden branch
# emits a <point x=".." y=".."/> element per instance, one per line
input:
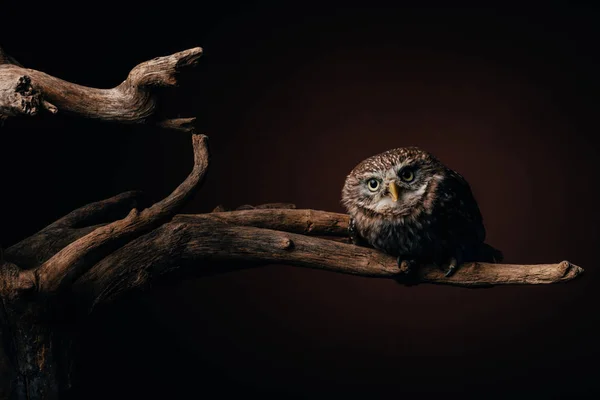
<point x="38" y="248"/>
<point x="220" y="235"/>
<point x="72" y="261"/>
<point x="26" y="92"/>
<point x="101" y="211"/>
<point x="182" y="244"/>
<point x="306" y="222"/>
<point x="195" y="243"/>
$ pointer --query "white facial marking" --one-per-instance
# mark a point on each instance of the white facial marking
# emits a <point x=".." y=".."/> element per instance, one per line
<point x="384" y="204"/>
<point x="411" y="196"/>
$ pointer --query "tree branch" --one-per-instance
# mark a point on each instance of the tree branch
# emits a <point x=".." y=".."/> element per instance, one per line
<point x="233" y="236"/>
<point x="101" y="211"/>
<point x="306" y="222"/>
<point x="26" y="91"/>
<point x="73" y="260"/>
<point x="38" y="248"/>
<point x="196" y="242"/>
<point x="219" y="236"/>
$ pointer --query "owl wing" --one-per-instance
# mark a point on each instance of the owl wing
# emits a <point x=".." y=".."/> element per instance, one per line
<point x="459" y="213"/>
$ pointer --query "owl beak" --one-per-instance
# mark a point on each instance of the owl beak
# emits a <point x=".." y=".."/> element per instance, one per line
<point x="393" y="187"/>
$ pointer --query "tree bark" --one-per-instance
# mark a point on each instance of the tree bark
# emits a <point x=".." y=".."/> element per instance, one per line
<point x="36" y="340"/>
<point x="192" y="244"/>
<point x="26" y="92"/>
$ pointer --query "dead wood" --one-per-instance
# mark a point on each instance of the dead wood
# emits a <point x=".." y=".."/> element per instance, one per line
<point x="193" y="240"/>
<point x="73" y="260"/>
<point x="260" y="235"/>
<point x="26" y="92"/>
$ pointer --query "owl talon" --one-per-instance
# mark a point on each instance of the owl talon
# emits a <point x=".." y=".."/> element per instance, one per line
<point x="406" y="266"/>
<point x="451" y="267"/>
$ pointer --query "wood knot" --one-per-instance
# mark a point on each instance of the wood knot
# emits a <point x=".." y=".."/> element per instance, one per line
<point x="568" y="270"/>
<point x="133" y="214"/>
<point x="26" y="100"/>
<point x="565" y="268"/>
<point x="24" y="86"/>
<point x="309" y="226"/>
<point x="287" y="244"/>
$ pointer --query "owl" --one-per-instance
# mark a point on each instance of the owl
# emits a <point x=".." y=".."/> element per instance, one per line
<point x="408" y="204"/>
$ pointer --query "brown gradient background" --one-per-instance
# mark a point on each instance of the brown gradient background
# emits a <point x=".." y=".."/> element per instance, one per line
<point x="292" y="98"/>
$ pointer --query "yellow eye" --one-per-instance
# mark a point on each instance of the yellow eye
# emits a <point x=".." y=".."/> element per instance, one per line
<point x="407" y="175"/>
<point x="373" y="184"/>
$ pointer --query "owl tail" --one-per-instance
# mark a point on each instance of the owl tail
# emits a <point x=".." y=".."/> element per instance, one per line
<point x="487" y="253"/>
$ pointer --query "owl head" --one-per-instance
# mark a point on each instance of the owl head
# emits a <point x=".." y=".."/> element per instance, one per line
<point x="393" y="184"/>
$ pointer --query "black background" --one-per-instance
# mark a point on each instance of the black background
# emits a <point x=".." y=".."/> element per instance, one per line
<point x="292" y="97"/>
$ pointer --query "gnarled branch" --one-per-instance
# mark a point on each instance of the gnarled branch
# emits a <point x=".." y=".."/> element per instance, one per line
<point x="306" y="222"/>
<point x="271" y="233"/>
<point x="72" y="261"/>
<point x="192" y="241"/>
<point x="266" y="235"/>
<point x="26" y="91"/>
<point x="39" y="247"/>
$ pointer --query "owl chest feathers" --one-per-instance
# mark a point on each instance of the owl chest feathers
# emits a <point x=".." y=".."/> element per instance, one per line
<point x="399" y="236"/>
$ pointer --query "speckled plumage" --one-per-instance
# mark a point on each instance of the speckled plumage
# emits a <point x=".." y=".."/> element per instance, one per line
<point x="435" y="217"/>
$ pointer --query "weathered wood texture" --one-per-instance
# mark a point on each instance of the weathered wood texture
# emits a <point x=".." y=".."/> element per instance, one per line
<point x="259" y="235"/>
<point x="26" y="92"/>
<point x="193" y="241"/>
<point x="77" y="257"/>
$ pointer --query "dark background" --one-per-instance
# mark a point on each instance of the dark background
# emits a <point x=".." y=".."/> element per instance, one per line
<point x="292" y="98"/>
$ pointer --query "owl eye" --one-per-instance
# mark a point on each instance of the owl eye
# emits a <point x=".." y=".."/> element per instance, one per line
<point x="373" y="184"/>
<point x="407" y="175"/>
